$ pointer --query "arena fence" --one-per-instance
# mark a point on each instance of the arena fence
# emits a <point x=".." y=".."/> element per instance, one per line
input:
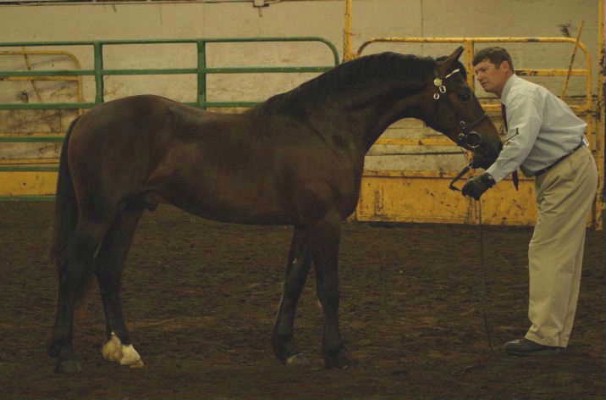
<point x="34" y="178"/>
<point x="394" y="195"/>
<point x="414" y="195"/>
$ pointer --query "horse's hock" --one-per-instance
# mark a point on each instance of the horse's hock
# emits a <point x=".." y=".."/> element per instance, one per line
<point x="406" y="172"/>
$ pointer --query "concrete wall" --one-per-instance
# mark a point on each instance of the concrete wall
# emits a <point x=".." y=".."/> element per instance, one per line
<point x="324" y="18"/>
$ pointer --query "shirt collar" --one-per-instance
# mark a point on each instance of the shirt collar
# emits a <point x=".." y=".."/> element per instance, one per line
<point x="510" y="82"/>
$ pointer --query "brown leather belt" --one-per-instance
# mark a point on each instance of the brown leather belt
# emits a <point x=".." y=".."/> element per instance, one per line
<point x="542" y="171"/>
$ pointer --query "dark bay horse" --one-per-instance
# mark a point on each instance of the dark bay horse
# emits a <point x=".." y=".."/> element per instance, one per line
<point x="296" y="159"/>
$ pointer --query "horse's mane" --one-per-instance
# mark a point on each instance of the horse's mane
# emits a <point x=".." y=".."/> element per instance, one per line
<point x="352" y="74"/>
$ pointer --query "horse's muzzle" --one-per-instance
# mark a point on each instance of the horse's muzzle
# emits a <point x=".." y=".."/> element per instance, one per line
<point x="485" y="153"/>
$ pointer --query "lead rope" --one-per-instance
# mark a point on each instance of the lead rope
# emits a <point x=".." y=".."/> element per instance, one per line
<point x="484" y="304"/>
<point x="483" y="301"/>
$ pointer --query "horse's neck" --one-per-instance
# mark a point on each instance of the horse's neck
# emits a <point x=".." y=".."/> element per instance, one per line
<point x="356" y="116"/>
<point x="369" y="115"/>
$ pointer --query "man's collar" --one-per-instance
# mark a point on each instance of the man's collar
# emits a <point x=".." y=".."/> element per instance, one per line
<point x="507" y="86"/>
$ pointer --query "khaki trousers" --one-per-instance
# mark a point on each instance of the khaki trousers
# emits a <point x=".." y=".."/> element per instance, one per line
<point x="565" y="195"/>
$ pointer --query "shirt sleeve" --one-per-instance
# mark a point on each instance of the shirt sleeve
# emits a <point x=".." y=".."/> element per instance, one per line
<point x="524" y="120"/>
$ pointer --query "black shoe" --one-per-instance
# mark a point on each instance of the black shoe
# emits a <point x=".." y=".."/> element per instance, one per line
<point x="525" y="347"/>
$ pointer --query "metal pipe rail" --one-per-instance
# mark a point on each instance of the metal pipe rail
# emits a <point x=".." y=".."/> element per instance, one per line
<point x="587" y="106"/>
<point x="26" y="53"/>
<point x="99" y="72"/>
<point x="469" y="44"/>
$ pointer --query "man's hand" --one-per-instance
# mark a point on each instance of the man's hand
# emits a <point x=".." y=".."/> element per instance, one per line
<point x="477" y="185"/>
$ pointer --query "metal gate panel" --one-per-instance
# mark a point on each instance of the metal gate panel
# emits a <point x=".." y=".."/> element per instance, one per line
<point x="23" y="185"/>
<point x="423" y="195"/>
<point x="34" y="178"/>
<point x="398" y="196"/>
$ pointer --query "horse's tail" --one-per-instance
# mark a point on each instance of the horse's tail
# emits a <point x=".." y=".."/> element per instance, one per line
<point x="66" y="207"/>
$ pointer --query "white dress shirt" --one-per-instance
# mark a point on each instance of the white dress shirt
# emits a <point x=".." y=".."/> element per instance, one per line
<point x="541" y="129"/>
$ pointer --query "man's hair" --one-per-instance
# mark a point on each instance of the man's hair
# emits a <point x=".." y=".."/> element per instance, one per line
<point x="496" y="55"/>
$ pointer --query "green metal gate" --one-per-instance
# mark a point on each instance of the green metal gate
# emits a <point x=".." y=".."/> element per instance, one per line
<point x="30" y="179"/>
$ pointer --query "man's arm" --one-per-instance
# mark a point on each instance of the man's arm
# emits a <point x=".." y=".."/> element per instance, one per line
<point x="525" y="116"/>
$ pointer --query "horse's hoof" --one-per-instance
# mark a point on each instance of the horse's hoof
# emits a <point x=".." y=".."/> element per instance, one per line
<point x="339" y="359"/>
<point x="70" y="366"/>
<point x="297" y="359"/>
<point x="286" y="351"/>
<point x="136" y="364"/>
<point x="114" y="350"/>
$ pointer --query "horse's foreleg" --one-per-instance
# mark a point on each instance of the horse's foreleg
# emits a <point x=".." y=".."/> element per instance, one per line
<point x="74" y="274"/>
<point x="324" y="243"/>
<point x="299" y="261"/>
<point x="110" y="264"/>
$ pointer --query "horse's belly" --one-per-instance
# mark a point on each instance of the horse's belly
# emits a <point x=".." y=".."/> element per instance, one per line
<point x="243" y="204"/>
<point x="239" y="214"/>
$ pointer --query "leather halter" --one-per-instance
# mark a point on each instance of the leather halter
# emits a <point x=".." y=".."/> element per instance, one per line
<point x="468" y="138"/>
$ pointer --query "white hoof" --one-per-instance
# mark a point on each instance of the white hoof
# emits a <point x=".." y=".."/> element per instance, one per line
<point x="115" y="351"/>
<point x="297" y="359"/>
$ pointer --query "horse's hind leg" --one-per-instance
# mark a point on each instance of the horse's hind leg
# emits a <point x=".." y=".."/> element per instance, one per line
<point x="299" y="261"/>
<point x="74" y="274"/>
<point x="324" y="238"/>
<point x="110" y="264"/>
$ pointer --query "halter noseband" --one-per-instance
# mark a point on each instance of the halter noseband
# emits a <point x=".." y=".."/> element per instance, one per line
<point x="468" y="138"/>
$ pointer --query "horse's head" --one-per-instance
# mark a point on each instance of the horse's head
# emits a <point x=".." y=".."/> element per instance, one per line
<point x="453" y="109"/>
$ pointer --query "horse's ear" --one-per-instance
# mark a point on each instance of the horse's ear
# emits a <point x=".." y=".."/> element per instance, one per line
<point x="445" y="66"/>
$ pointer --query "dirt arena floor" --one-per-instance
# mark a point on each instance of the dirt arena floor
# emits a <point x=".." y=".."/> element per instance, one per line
<point x="200" y="299"/>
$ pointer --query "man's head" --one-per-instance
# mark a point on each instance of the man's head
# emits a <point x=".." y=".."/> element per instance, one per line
<point x="493" y="67"/>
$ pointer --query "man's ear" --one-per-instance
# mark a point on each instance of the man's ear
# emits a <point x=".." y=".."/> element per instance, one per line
<point x="505" y="65"/>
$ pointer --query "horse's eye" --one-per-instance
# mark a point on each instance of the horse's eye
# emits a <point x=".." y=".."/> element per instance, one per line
<point x="465" y="95"/>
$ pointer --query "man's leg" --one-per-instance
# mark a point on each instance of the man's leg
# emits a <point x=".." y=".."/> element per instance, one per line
<point x="565" y="195"/>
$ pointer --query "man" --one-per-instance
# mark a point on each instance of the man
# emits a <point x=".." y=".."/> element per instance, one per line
<point x="545" y="139"/>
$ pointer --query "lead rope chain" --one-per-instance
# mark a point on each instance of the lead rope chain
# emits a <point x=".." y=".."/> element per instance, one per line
<point x="476" y="206"/>
<point x="484" y="287"/>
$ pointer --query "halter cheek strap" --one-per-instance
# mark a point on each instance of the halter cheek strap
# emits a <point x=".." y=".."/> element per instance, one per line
<point x="468" y="138"/>
<point x="439" y="84"/>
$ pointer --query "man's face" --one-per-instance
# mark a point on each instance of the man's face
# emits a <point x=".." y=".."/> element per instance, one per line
<point x="492" y="77"/>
